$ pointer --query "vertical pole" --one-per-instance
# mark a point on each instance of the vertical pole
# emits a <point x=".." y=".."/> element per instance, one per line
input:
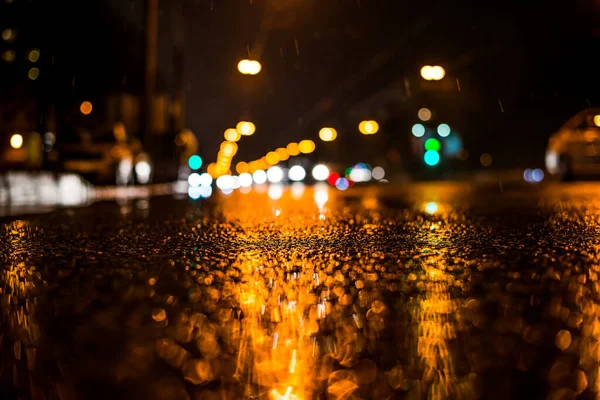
<point x="151" y="27"/>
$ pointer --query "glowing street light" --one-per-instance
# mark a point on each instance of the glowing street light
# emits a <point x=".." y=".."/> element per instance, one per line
<point x="327" y="134"/>
<point x="245" y="128"/>
<point x="249" y="67"/>
<point x="433" y="73"/>
<point x="16" y="141"/>
<point x="368" y="127"/>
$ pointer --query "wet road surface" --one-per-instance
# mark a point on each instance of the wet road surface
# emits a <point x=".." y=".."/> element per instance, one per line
<point x="428" y="291"/>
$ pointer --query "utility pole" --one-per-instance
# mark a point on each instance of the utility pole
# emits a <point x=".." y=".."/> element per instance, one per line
<point x="151" y="36"/>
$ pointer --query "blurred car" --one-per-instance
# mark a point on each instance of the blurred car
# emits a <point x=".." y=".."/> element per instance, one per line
<point x="102" y="160"/>
<point x="574" y="151"/>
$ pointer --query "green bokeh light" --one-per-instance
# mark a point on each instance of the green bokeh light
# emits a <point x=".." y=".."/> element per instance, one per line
<point x="433" y="144"/>
<point x="195" y="162"/>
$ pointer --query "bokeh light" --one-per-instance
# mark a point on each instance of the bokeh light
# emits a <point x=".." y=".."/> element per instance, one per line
<point x="16" y="141"/>
<point x="296" y="173"/>
<point x="418" y="130"/>
<point x="424" y="114"/>
<point x="33" y="74"/>
<point x="195" y="162"/>
<point x="282" y="154"/>
<point x="259" y="177"/>
<point x="232" y="135"/>
<point x="249" y="67"/>
<point x="431" y="208"/>
<point x="225" y="182"/>
<point x="486" y="159"/>
<point x="443" y="130"/>
<point x="245" y="180"/>
<point x="431" y="157"/>
<point x="229" y="149"/>
<point x="378" y="173"/>
<point x="205" y="179"/>
<point x="275" y="174"/>
<point x="433" y="73"/>
<point x="34" y="55"/>
<point x="327" y="134"/>
<point x="306" y="146"/>
<point x="242" y="167"/>
<point x="320" y="172"/>
<point x="293" y="149"/>
<point x="272" y="158"/>
<point x="245" y="128"/>
<point x="597" y="120"/>
<point x="194" y="179"/>
<point x="368" y="127"/>
<point x="342" y="183"/>
<point x="433" y="144"/>
<point x="85" y="108"/>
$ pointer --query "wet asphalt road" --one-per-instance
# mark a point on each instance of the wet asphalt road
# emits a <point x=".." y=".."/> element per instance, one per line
<point x="423" y="292"/>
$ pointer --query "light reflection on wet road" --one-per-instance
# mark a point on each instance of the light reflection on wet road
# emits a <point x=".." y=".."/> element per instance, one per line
<point x="426" y="292"/>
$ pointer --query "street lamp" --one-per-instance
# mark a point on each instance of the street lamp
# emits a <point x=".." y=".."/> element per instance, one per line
<point x="249" y="67"/>
<point x="433" y="73"/>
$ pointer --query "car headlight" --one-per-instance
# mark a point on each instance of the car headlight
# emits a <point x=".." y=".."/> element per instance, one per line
<point x="552" y="161"/>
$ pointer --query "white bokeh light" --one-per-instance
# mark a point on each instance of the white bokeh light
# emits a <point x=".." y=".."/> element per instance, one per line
<point x="297" y="173"/>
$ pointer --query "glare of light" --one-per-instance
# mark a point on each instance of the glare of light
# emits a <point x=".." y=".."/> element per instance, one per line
<point x="205" y="191"/>
<point x="296" y="173"/>
<point x="360" y="174"/>
<point x="245" y="128"/>
<point x="437" y="73"/>
<point x="297" y="190"/>
<point x="306" y="146"/>
<point x="342" y="184"/>
<point x="486" y="159"/>
<point x="443" y="130"/>
<point x="229" y="149"/>
<point x="431" y="157"/>
<point x="242" y="167"/>
<point x="293" y="149"/>
<point x="33" y="73"/>
<point x="275" y="191"/>
<point x="85" y="108"/>
<point x="16" y="141"/>
<point x="8" y="56"/>
<point x="205" y="179"/>
<point x="195" y="162"/>
<point x="195" y="192"/>
<point x="597" y="120"/>
<point x="259" y="177"/>
<point x="245" y="189"/>
<point x="537" y="175"/>
<point x="232" y="135"/>
<point x="225" y="182"/>
<point x="71" y="189"/>
<point x="368" y="127"/>
<point x="320" y="172"/>
<point x="431" y="208"/>
<point x="321" y="197"/>
<point x="552" y="161"/>
<point x="249" y="67"/>
<point x="418" y="130"/>
<point x="433" y="144"/>
<point x="34" y="55"/>
<point x="272" y="158"/>
<point x="327" y="134"/>
<point x="245" y="179"/>
<point x="378" y="173"/>
<point x="143" y="171"/>
<point x="274" y="174"/>
<point x="424" y="114"/>
<point x="194" y="179"/>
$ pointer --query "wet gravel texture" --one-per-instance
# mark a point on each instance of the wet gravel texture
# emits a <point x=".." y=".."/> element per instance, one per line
<point x="429" y="291"/>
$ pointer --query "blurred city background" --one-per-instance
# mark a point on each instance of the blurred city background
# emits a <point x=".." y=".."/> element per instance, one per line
<point x="146" y="91"/>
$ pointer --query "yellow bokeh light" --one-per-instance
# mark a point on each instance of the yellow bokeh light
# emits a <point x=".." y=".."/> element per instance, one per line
<point x="8" y="56"/>
<point x="228" y="149"/>
<point x="327" y="134"/>
<point x="85" y="108"/>
<point x="232" y="135"/>
<point x="597" y="120"/>
<point x="272" y="158"/>
<point x="249" y="67"/>
<point x="242" y="167"/>
<point x="282" y="154"/>
<point x="433" y="73"/>
<point x="293" y="149"/>
<point x="486" y="159"/>
<point x="211" y="169"/>
<point x="34" y="55"/>
<point x="245" y="128"/>
<point x="33" y="74"/>
<point x="368" y="127"/>
<point x="306" y="146"/>
<point x="8" y="35"/>
<point x="16" y="141"/>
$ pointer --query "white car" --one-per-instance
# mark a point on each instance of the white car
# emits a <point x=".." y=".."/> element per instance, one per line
<point x="574" y="151"/>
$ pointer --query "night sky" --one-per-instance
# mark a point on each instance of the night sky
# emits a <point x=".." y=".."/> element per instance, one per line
<point x="523" y="67"/>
